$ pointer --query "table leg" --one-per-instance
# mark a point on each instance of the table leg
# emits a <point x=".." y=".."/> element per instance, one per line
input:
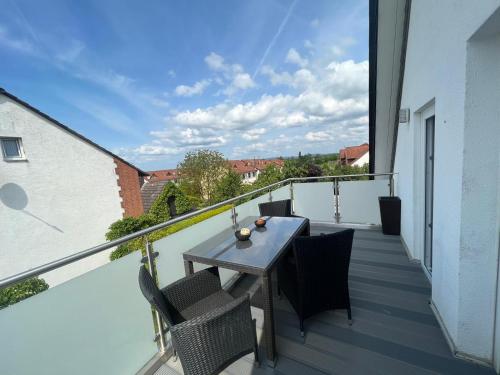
<point x="188" y="267"/>
<point x="269" y="337"/>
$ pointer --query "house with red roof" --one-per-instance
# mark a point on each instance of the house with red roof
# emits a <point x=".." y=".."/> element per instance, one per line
<point x="356" y="156"/>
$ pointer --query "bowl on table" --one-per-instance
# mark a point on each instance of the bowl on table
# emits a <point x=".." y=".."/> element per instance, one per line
<point x="260" y="223"/>
<point x="243" y="234"/>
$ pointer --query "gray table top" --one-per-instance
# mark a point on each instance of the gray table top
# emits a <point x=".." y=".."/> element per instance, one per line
<point x="256" y="255"/>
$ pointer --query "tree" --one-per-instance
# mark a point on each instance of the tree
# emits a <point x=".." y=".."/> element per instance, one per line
<point x="228" y="187"/>
<point x="199" y="173"/>
<point x="268" y="176"/>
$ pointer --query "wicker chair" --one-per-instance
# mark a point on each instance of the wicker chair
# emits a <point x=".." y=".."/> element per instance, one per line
<point x="209" y="328"/>
<point x="277" y="208"/>
<point x="315" y="279"/>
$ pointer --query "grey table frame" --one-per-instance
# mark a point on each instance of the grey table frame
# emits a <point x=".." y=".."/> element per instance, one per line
<point x="265" y="276"/>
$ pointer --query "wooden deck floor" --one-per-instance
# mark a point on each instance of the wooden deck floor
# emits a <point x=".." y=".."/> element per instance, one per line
<point x="393" y="331"/>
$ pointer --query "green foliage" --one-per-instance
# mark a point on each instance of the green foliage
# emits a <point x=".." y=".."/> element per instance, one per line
<point x="138" y="243"/>
<point x="22" y="290"/>
<point x="228" y="187"/>
<point x="159" y="209"/>
<point x="335" y="169"/>
<point x="129" y="225"/>
<point x="268" y="176"/>
<point x="200" y="171"/>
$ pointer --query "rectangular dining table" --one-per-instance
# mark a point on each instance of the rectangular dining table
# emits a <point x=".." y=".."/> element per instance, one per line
<point x="257" y="256"/>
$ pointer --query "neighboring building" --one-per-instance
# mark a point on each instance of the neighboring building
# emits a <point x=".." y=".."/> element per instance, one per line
<point x="59" y="192"/>
<point x="439" y="63"/>
<point x="163" y="175"/>
<point x="151" y="190"/>
<point x="249" y="169"/>
<point x="356" y="156"/>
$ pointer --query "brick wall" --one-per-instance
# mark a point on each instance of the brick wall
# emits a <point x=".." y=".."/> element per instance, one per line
<point x="129" y="182"/>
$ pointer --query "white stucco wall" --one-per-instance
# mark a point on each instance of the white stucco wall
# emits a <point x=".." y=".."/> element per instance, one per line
<point x="464" y="261"/>
<point x="365" y="159"/>
<point x="58" y="202"/>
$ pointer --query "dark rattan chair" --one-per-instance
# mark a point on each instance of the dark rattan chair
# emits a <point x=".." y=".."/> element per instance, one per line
<point x="209" y="328"/>
<point x="315" y="278"/>
<point x="281" y="208"/>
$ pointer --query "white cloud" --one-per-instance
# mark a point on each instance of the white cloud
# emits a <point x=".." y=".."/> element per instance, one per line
<point x="302" y="78"/>
<point x="241" y="81"/>
<point x="328" y="107"/>
<point x="308" y="44"/>
<point x="253" y="134"/>
<point x="232" y="75"/>
<point x="319" y="136"/>
<point x="293" y="57"/>
<point x="196" y="89"/>
<point x="215" y="62"/>
<point x="171" y="73"/>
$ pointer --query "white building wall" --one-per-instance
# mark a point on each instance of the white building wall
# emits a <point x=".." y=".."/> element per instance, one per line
<point x="435" y="75"/>
<point x="365" y="159"/>
<point x="58" y="202"/>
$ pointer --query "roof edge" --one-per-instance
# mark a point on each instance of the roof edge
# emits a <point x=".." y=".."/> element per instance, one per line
<point x="68" y="129"/>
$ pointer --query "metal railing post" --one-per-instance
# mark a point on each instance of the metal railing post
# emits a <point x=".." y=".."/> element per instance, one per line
<point x="391" y="185"/>
<point x="336" y="192"/>
<point x="152" y="270"/>
<point x="270" y="196"/>
<point x="292" y="198"/>
<point x="234" y="216"/>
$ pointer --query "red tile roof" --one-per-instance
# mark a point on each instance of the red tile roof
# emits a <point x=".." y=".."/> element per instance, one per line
<point x="350" y="154"/>
<point x="239" y="166"/>
<point x="163" y="175"/>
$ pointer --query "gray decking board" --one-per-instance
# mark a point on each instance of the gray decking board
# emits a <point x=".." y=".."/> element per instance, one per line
<point x="394" y="330"/>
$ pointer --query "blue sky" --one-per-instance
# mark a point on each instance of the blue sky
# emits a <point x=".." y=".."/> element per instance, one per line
<point x="152" y="80"/>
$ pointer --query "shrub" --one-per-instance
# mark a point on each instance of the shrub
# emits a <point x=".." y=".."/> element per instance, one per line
<point x="160" y="209"/>
<point x="22" y="290"/>
<point x="138" y="243"/>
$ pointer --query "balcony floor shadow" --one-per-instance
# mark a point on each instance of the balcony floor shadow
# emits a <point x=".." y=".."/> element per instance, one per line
<point x="394" y="330"/>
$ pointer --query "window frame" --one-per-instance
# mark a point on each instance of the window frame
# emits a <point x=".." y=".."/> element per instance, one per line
<point x="19" y="143"/>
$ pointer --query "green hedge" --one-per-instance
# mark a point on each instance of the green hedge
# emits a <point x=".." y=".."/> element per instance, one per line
<point x="138" y="244"/>
<point x="22" y="290"/>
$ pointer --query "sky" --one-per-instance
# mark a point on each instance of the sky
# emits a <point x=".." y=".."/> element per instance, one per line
<point x="152" y="80"/>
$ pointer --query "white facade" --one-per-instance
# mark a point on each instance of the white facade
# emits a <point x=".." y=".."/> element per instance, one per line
<point x="452" y="71"/>
<point x="250" y="177"/>
<point x="365" y="159"/>
<point x="58" y="201"/>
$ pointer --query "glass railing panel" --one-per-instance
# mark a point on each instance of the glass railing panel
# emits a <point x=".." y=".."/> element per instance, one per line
<point x="251" y="208"/>
<point x="281" y="193"/>
<point x="96" y="323"/>
<point x="314" y="200"/>
<point x="358" y="201"/>
<point x="170" y="263"/>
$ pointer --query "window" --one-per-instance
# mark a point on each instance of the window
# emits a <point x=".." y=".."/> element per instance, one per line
<point x="12" y="149"/>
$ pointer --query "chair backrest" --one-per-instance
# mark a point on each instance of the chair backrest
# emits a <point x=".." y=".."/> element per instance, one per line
<point x="154" y="295"/>
<point x="323" y="267"/>
<point x="281" y="208"/>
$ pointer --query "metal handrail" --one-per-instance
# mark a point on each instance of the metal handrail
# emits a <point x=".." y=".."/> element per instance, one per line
<point x="108" y="245"/>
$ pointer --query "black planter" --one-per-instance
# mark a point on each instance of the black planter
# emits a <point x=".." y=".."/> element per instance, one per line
<point x="390" y="213"/>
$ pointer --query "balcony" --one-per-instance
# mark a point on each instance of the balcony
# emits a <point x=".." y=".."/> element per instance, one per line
<point x="99" y="323"/>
